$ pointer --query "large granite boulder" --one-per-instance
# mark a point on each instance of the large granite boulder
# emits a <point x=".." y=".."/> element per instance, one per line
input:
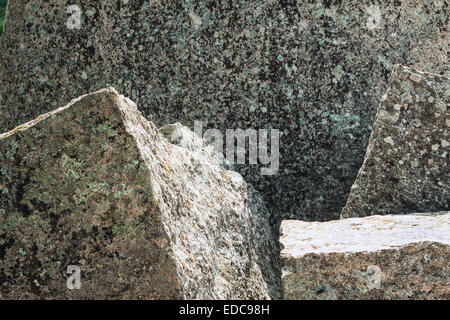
<point x="406" y="168"/>
<point x="314" y="70"/>
<point x="97" y="186"/>
<point x="377" y="257"/>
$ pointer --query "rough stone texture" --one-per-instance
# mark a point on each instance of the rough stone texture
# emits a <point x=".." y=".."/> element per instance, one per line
<point x="314" y="70"/>
<point x="377" y="257"/>
<point x="96" y="185"/>
<point x="406" y="168"/>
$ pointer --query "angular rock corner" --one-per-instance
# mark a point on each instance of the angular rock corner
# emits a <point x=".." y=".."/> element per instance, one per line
<point x="406" y="164"/>
<point x="94" y="184"/>
<point x="377" y="257"/>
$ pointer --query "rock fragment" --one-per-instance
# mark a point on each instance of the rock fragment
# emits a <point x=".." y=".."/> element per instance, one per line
<point x="377" y="257"/>
<point x="406" y="167"/>
<point x="97" y="186"/>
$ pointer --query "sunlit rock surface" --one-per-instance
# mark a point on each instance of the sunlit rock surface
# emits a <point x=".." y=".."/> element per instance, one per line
<point x="406" y="168"/>
<point x="377" y="257"/>
<point x="95" y="185"/>
<point x="315" y="70"/>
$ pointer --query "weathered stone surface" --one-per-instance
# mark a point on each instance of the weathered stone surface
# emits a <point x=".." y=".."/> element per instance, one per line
<point x="406" y="168"/>
<point x="377" y="257"/>
<point x="94" y="184"/>
<point x="314" y="70"/>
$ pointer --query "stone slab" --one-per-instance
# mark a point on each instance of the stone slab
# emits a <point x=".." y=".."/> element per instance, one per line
<point x="377" y="257"/>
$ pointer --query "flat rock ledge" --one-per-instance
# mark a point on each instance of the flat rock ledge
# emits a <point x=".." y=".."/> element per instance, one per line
<point x="95" y="185"/>
<point x="377" y="257"/>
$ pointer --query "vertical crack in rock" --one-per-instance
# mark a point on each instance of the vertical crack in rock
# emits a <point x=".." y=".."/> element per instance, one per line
<point x="406" y="168"/>
<point x="377" y="257"/>
<point x="142" y="217"/>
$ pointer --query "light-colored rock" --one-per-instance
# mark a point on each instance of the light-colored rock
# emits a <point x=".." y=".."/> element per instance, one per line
<point x="96" y="185"/>
<point x="377" y="257"/>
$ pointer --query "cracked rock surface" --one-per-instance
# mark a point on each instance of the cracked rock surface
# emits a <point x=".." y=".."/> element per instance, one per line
<point x="96" y="185"/>
<point x="406" y="168"/>
<point x="377" y="257"/>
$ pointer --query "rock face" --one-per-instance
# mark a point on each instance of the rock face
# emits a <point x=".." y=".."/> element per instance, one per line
<point x="406" y="168"/>
<point x="314" y="70"/>
<point x="377" y="257"/>
<point x="95" y="185"/>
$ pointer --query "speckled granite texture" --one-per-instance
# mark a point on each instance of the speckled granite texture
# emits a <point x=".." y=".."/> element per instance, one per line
<point x="406" y="168"/>
<point x="96" y="185"/>
<point x="315" y="71"/>
<point x="377" y="257"/>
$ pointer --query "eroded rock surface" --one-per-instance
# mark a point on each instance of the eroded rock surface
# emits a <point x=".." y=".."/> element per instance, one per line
<point x="95" y="185"/>
<point x="406" y="168"/>
<point x="377" y="257"/>
<point x="315" y="70"/>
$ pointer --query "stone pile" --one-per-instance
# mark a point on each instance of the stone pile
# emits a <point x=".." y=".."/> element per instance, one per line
<point x="315" y="70"/>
